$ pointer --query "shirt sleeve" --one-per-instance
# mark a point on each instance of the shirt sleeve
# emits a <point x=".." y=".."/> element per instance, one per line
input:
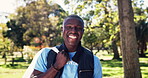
<point x="97" y="68"/>
<point x="41" y="62"/>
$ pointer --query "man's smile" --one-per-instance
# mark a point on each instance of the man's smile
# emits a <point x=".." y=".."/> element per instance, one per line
<point x="72" y="36"/>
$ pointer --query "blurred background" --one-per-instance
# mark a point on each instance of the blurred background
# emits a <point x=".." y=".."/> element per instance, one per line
<point x="26" y="26"/>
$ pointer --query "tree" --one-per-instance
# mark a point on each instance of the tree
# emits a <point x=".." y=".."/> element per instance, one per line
<point x="35" y="20"/>
<point x="128" y="40"/>
<point x="100" y="18"/>
<point x="90" y="39"/>
<point x="141" y="26"/>
<point x="15" y="34"/>
<point x="39" y="20"/>
<point x="142" y="37"/>
<point x="4" y="43"/>
<point x="115" y="47"/>
<point x="43" y="20"/>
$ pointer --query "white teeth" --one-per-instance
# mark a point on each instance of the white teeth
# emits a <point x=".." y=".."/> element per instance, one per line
<point x="72" y="37"/>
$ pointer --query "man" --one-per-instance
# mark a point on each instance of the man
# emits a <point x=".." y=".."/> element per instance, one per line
<point x="73" y="61"/>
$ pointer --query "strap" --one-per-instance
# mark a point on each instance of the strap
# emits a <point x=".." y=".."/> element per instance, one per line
<point x="55" y="49"/>
<point x="51" y="59"/>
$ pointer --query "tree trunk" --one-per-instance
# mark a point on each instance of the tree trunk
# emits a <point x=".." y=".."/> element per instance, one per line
<point x="128" y="40"/>
<point x="5" y="60"/>
<point x="115" y="50"/>
<point x="12" y="61"/>
<point x="143" y="48"/>
<point x="22" y="55"/>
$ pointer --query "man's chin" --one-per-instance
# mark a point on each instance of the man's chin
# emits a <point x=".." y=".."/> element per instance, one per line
<point x="72" y="44"/>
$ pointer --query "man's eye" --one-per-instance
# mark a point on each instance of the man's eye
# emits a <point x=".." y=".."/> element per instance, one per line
<point x="69" y="27"/>
<point x="79" y="28"/>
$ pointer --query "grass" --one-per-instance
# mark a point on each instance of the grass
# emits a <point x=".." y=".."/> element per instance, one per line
<point x="16" y="71"/>
<point x="114" y="68"/>
<point x="11" y="73"/>
<point x="111" y="68"/>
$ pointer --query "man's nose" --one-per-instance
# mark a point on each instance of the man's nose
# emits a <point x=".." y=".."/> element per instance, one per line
<point x="74" y="29"/>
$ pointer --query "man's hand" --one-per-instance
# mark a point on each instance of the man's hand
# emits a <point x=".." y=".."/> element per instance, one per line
<point x="61" y="59"/>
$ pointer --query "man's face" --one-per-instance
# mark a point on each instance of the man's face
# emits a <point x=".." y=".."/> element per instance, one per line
<point x="72" y="31"/>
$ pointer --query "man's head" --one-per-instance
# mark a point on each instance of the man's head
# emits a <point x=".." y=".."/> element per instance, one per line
<point x="73" y="28"/>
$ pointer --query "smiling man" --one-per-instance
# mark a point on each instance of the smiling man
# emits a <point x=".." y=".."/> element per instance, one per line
<point x="72" y="60"/>
<point x="73" y="28"/>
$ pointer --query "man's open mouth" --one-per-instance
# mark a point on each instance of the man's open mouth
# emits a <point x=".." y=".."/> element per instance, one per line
<point x="72" y="36"/>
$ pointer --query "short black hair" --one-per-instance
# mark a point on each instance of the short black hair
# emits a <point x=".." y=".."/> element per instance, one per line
<point x="74" y="16"/>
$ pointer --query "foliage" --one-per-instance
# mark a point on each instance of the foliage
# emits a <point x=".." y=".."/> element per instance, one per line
<point x="141" y="26"/>
<point x="36" y="20"/>
<point x="101" y="20"/>
<point x="19" y="59"/>
<point x="101" y="16"/>
<point x="89" y="38"/>
<point x="142" y="37"/>
<point x="43" y="20"/>
<point x="39" y="15"/>
<point x="5" y="43"/>
<point x="15" y="33"/>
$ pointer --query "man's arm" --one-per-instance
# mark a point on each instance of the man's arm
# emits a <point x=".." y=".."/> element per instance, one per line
<point x="61" y="60"/>
<point x="97" y="68"/>
<point x="51" y="72"/>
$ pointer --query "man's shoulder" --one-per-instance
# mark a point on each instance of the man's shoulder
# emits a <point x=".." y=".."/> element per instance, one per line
<point x="96" y="58"/>
<point x="45" y="51"/>
<point x="87" y="51"/>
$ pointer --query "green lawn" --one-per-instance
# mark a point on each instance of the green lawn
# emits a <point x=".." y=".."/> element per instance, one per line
<point x="13" y="72"/>
<point x="111" y="68"/>
<point x="114" y="68"/>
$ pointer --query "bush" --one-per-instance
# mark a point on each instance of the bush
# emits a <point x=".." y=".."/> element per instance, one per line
<point x="19" y="59"/>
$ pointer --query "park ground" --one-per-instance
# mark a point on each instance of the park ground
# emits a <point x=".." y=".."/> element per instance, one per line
<point x="111" y="68"/>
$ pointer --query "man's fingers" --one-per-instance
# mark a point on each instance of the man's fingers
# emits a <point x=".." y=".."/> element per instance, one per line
<point x="65" y="54"/>
<point x="62" y="51"/>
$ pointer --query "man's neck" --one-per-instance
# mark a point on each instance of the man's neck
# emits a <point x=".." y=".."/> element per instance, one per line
<point x="72" y="48"/>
